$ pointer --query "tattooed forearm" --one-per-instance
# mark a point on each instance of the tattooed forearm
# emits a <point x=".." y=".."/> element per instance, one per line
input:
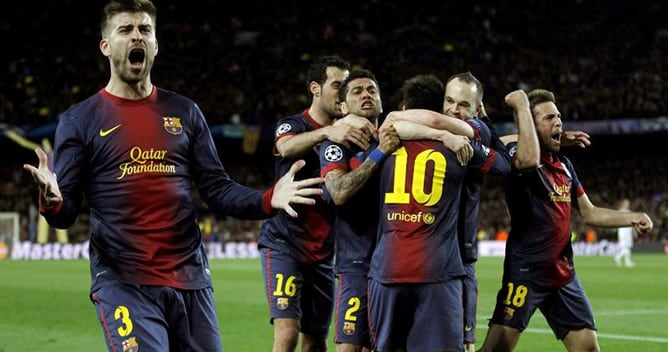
<point x="342" y="186"/>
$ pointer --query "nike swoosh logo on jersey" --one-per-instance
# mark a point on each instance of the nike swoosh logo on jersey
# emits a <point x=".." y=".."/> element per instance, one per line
<point x="104" y="133"/>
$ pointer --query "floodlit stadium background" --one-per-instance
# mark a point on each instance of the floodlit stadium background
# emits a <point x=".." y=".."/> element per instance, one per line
<point x="245" y="66"/>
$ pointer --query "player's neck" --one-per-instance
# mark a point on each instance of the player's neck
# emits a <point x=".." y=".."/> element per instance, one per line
<point x="320" y="116"/>
<point x="125" y="90"/>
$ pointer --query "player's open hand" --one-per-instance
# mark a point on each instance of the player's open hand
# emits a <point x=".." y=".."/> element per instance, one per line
<point x="45" y="179"/>
<point x="287" y="191"/>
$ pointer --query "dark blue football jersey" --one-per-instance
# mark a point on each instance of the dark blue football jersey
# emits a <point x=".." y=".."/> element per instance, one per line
<point x="308" y="238"/>
<point x="497" y="164"/>
<point x="135" y="162"/>
<point x="420" y="185"/>
<point x="356" y="221"/>
<point x="540" y="203"/>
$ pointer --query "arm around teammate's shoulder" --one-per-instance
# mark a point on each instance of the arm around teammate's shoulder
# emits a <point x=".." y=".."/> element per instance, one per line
<point x="294" y="146"/>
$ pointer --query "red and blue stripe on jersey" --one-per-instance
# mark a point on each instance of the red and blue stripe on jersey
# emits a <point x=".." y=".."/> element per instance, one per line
<point x="308" y="238"/>
<point x="356" y="221"/>
<point x="417" y="239"/>
<point x="540" y="203"/>
<point x="136" y="162"/>
<point x="498" y="164"/>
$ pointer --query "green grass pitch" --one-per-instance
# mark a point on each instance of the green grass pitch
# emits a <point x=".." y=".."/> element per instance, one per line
<point x="44" y="305"/>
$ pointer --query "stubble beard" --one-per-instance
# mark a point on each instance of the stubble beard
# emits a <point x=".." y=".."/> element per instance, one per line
<point x="128" y="75"/>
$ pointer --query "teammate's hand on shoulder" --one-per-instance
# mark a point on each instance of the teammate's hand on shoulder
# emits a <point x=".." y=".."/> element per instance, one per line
<point x="461" y="145"/>
<point x="348" y="135"/>
<point x="359" y="122"/>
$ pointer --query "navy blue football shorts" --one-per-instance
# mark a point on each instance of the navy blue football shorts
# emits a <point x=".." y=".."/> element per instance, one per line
<point x="352" y="321"/>
<point x="416" y="317"/>
<point x="299" y="291"/>
<point x="565" y="308"/>
<point x="470" y="300"/>
<point x="157" y="318"/>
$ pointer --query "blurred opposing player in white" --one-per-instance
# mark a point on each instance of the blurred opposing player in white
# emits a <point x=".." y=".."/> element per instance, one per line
<point x="625" y="237"/>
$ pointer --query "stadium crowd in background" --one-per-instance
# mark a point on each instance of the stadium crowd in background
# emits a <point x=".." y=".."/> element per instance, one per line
<point x="219" y="60"/>
<point x="246" y="67"/>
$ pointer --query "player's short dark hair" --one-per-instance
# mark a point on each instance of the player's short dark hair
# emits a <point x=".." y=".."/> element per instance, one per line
<point x="356" y="74"/>
<point x="425" y="91"/>
<point x="538" y="96"/>
<point x="114" y="7"/>
<point x="317" y="71"/>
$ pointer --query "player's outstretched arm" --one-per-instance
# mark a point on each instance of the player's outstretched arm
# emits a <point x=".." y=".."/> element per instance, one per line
<point x="605" y="217"/>
<point x="45" y="179"/>
<point x="568" y="139"/>
<point x="287" y="191"/>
